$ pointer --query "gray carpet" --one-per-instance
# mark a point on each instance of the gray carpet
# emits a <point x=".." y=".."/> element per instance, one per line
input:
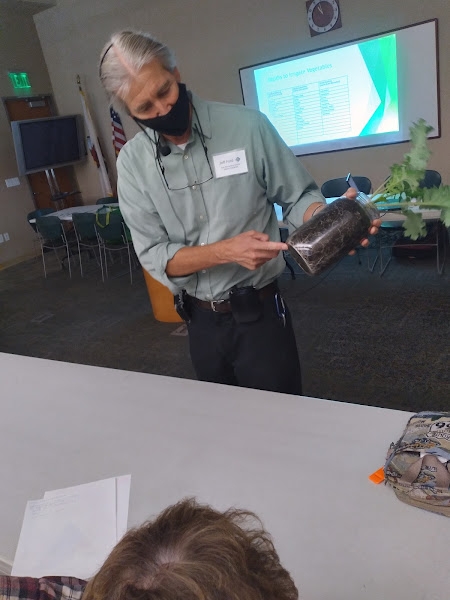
<point x="362" y="339"/>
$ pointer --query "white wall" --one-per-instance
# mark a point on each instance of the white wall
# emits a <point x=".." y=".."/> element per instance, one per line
<point x="212" y="40"/>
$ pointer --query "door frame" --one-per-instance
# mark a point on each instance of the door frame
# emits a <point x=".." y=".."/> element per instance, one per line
<point x="46" y="96"/>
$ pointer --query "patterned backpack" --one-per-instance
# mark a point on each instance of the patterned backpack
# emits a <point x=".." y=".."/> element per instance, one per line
<point x="418" y="465"/>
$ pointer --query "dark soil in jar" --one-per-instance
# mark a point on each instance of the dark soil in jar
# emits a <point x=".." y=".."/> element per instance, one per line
<point x="329" y="235"/>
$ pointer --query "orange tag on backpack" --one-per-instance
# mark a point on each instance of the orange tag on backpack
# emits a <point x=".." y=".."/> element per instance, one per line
<point x="378" y="476"/>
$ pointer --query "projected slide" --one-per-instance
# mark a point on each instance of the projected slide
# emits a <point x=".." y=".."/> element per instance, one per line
<point x="349" y="91"/>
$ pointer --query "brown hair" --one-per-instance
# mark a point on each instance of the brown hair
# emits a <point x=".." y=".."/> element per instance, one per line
<point x="194" y="552"/>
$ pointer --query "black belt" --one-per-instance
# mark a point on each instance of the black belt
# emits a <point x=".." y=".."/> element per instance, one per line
<point x="224" y="306"/>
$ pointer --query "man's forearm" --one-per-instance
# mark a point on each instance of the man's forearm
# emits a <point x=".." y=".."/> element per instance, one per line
<point x="250" y="249"/>
<point x="191" y="259"/>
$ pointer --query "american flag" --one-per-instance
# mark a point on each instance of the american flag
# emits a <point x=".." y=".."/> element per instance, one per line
<point x="118" y="134"/>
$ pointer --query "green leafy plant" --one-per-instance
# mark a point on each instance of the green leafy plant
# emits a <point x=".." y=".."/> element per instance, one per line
<point x="402" y="188"/>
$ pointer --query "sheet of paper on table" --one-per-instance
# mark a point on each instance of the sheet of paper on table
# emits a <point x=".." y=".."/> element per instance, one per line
<point x="72" y="530"/>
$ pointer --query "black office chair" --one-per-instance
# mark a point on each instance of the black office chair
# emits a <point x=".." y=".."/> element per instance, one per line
<point x="431" y="179"/>
<point x="391" y="233"/>
<point x="334" y="188"/>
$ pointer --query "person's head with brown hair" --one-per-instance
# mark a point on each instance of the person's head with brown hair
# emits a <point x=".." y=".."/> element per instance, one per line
<point x="194" y="552"/>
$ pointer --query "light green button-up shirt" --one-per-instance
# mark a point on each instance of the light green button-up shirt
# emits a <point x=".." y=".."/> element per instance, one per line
<point x="164" y="221"/>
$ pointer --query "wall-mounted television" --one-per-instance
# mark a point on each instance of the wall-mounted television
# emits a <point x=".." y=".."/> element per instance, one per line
<point x="48" y="143"/>
<point x="366" y="92"/>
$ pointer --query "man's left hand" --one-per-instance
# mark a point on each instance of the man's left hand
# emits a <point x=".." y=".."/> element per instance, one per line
<point x="351" y="193"/>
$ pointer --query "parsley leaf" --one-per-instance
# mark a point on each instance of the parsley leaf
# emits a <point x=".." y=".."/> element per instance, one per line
<point x="403" y="186"/>
<point x="414" y="225"/>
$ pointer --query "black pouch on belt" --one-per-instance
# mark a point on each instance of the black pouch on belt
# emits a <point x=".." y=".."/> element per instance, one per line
<point x="246" y="305"/>
<point x="182" y="306"/>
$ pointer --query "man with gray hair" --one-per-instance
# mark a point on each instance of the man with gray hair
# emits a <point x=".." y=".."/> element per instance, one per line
<point x="197" y="189"/>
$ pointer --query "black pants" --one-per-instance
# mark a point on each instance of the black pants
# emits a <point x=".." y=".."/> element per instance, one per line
<point x="261" y="355"/>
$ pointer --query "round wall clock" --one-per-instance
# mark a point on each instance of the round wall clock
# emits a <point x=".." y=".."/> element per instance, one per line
<point x="323" y="15"/>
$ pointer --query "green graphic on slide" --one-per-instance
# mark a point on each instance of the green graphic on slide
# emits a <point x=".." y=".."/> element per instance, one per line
<point x="380" y="56"/>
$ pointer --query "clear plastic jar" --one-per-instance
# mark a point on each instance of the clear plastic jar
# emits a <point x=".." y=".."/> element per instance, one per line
<point x="332" y="233"/>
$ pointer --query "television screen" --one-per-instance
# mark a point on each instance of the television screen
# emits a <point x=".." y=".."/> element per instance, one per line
<point x="47" y="143"/>
<point x="360" y="93"/>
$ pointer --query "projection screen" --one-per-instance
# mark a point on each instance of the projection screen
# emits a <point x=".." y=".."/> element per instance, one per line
<point x="366" y="92"/>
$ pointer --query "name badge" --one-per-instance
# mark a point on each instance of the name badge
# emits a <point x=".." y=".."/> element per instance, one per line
<point x="230" y="163"/>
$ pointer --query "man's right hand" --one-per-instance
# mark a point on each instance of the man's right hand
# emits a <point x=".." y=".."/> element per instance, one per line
<point x="250" y="249"/>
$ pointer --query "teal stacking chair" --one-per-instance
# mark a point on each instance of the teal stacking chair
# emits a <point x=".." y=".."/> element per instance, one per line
<point x="86" y="238"/>
<point x="113" y="236"/>
<point x="53" y="236"/>
<point x="40" y="212"/>
<point x="31" y="218"/>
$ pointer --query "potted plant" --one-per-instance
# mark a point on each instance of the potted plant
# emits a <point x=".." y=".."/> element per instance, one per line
<point x="339" y="227"/>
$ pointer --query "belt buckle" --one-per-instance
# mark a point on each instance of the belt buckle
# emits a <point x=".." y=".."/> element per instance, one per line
<point x="215" y="303"/>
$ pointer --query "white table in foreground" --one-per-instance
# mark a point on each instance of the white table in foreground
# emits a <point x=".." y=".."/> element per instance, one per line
<point x="302" y="464"/>
<point x="65" y="214"/>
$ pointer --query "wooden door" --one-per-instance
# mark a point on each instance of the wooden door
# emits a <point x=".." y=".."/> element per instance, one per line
<point x="19" y="109"/>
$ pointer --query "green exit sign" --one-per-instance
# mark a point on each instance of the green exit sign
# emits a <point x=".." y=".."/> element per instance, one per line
<point x="19" y="80"/>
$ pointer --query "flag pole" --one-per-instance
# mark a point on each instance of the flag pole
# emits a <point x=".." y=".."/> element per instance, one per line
<point x="94" y="144"/>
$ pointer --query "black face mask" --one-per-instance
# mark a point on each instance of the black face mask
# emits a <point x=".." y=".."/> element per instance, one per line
<point x="176" y="121"/>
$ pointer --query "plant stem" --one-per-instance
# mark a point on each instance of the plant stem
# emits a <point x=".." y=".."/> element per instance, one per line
<point x="378" y="190"/>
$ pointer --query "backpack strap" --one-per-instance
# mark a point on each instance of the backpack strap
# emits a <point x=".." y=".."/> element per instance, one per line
<point x="105" y="211"/>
